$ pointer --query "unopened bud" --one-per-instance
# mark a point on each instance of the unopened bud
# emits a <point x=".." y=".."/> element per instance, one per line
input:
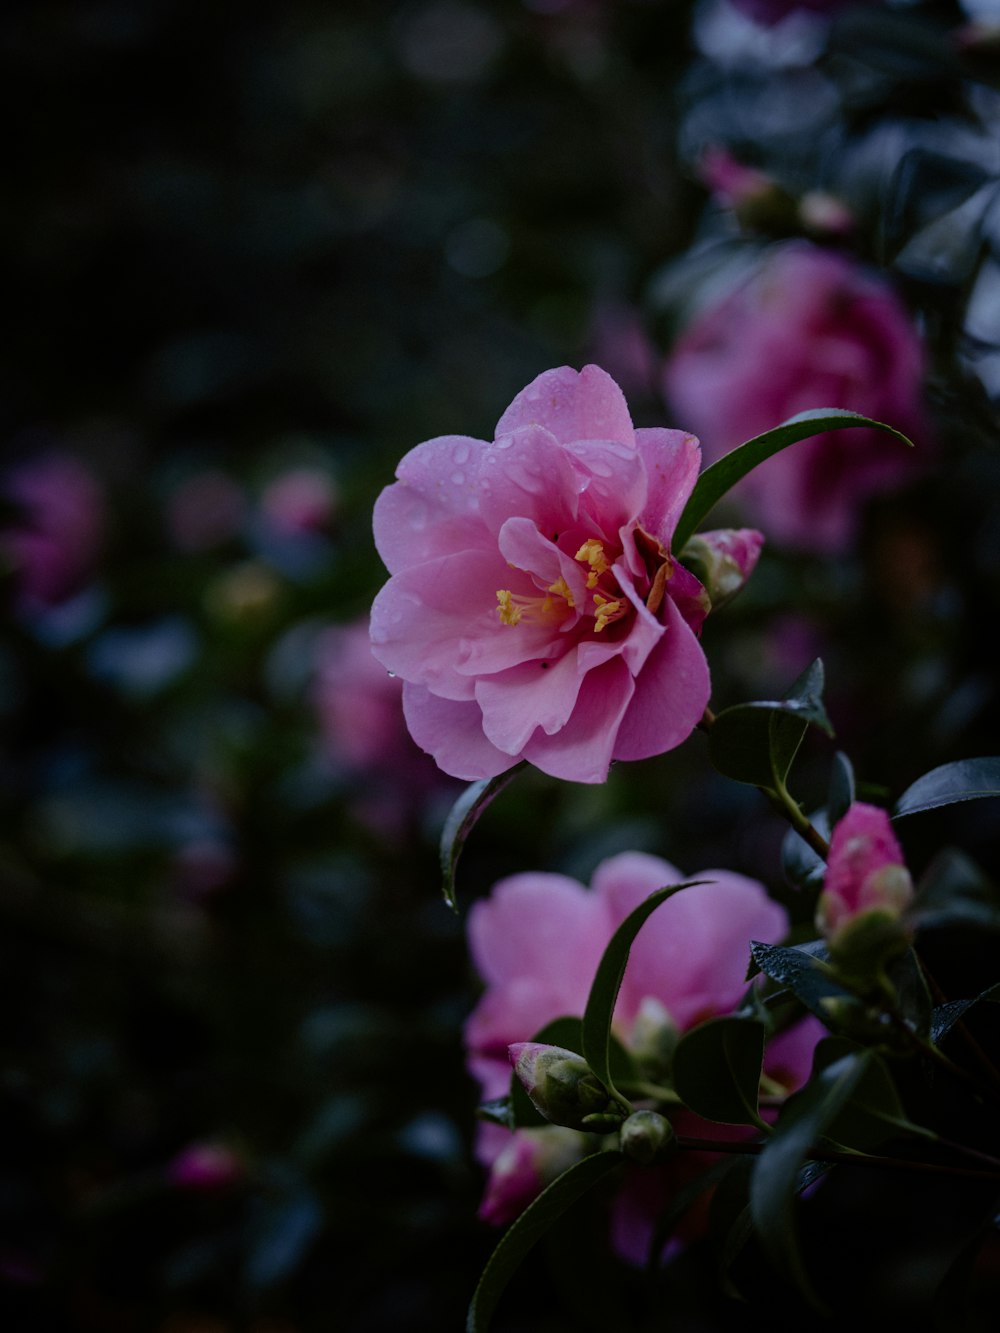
<point x="647" y="1137"/>
<point x="653" y="1038"/>
<point x="563" y="1088"/>
<point x="722" y="560"/>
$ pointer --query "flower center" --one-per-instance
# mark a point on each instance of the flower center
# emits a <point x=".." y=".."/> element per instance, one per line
<point x="512" y="608"/>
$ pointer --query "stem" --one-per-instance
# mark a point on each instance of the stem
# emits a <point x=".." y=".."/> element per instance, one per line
<point x="818" y="1154"/>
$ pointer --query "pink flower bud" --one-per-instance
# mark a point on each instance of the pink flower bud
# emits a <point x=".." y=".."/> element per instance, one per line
<point x="865" y="874"/>
<point x="562" y="1086"/>
<point x="723" y="560"/>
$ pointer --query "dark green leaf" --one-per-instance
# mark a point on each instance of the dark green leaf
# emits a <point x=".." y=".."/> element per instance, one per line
<point x="527" y="1230"/>
<point x="947" y="1015"/>
<point x="607" y="982"/>
<point x="912" y="993"/>
<point x="964" y="780"/>
<point x="800" y="865"/>
<point x="717" y="1067"/>
<point x="716" y="480"/>
<point x="500" y="1111"/>
<point x="757" y="742"/>
<point x="840" y="795"/>
<point x="873" y="1112"/>
<point x="803" y="1121"/>
<point x="678" y="1204"/>
<point x="462" y="819"/>
<point x="803" y="974"/>
<point x="953" y="890"/>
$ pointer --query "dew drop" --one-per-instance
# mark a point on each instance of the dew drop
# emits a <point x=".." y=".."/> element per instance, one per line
<point x="457" y="478"/>
<point x="461" y="454"/>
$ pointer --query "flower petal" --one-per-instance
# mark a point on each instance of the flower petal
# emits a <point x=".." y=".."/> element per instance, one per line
<point x="573" y="405"/>
<point x="581" y="751"/>
<point x="672" y="459"/>
<point x="528" y="474"/>
<point x="452" y="731"/>
<point x="433" y="508"/>
<point x="671" y="693"/>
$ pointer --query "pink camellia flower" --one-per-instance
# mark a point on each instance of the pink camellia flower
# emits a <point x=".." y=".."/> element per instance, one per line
<point x="54" y="538"/>
<point x="865" y="873"/>
<point x="808" y="329"/>
<point x="205" y="1167"/>
<point x="537" y="940"/>
<point x="534" y="610"/>
<point x="303" y="500"/>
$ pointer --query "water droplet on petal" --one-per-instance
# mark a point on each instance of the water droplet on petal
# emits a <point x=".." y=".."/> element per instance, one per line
<point x="457" y="478"/>
<point x="461" y="454"/>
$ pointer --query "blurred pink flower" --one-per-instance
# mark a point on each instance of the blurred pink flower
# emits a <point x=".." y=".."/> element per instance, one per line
<point x="302" y="500"/>
<point x="536" y="942"/>
<point x="205" y="1167"/>
<point x="865" y="872"/>
<point x="534" y="610"/>
<point x="55" y="535"/>
<point x="359" y="707"/>
<point x="809" y="329"/>
<point x="206" y="510"/>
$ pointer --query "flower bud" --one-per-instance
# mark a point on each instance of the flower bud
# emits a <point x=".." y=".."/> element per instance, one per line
<point x="647" y="1137"/>
<point x="653" y="1038"/>
<point x="722" y="560"/>
<point x="562" y="1087"/>
<point x="865" y="891"/>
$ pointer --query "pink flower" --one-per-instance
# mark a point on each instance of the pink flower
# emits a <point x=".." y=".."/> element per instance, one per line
<point x="536" y="941"/>
<point x="534" y="610"/>
<point x="205" y="1167"/>
<point x="808" y="329"/>
<point x="359" y="707"/>
<point x="55" y="537"/>
<point x="865" y="872"/>
<point x="303" y="500"/>
<point x="521" y="1165"/>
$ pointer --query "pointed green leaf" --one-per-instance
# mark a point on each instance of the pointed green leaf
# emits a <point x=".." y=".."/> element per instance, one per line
<point x="607" y="982"/>
<point x="800" y="865"/>
<point x="963" y="780"/>
<point x="954" y="890"/>
<point x="757" y="742"/>
<point x="841" y="792"/>
<point x="873" y="1112"/>
<point x="803" y="1121"/>
<point x="803" y="974"/>
<point x="717" y="1067"/>
<point x="526" y="1230"/>
<point x="716" y="480"/>
<point x="947" y="1015"/>
<point x="462" y="819"/>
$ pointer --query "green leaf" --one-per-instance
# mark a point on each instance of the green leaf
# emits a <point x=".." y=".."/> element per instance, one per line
<point x="954" y="890"/>
<point x="462" y="819"/>
<point x="717" y="1067"/>
<point x="716" y="480"/>
<point x="947" y="1015"/>
<point x="802" y="973"/>
<point x="841" y="792"/>
<point x="800" y="865"/>
<point x="803" y="1121"/>
<point x="963" y="780"/>
<point x="607" y="982"/>
<point x="526" y="1230"/>
<point x="757" y="742"/>
<point x="873" y="1112"/>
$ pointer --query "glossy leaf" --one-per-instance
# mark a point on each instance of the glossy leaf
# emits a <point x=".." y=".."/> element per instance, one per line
<point x="757" y="742"/>
<point x="963" y="780"/>
<point x="954" y="890"/>
<point x="947" y="1015"/>
<point x="607" y="983"/>
<point x="716" y="480"/>
<point x="802" y="973"/>
<point x="717" y="1067"/>
<point x="527" y="1229"/>
<point x="462" y="819"/>
<point x="841" y="791"/>
<point x="803" y="1122"/>
<point x="800" y="865"/>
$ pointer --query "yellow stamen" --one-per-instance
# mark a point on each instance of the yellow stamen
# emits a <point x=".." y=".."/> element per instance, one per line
<point x="608" y="609"/>
<point x="562" y="589"/>
<point x="592" y="553"/>
<point x="509" y="613"/>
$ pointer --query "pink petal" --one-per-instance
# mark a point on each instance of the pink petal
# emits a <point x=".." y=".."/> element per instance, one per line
<point x="425" y="617"/>
<point x="530" y="475"/>
<point x="433" y="508"/>
<point x="582" y="750"/>
<point x="452" y="731"/>
<point x="524" y="698"/>
<point x="584" y="405"/>
<point x="671" y="692"/>
<point x="672" y="459"/>
<point x="613" y="480"/>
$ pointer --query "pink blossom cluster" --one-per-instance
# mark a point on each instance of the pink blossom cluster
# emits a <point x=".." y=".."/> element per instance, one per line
<point x="536" y="941"/>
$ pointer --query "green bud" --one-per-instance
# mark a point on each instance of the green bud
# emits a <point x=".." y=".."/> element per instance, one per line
<point x="563" y="1088"/>
<point x="647" y="1137"/>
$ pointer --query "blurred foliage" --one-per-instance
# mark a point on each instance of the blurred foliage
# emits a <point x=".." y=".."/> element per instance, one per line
<point x="299" y="240"/>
